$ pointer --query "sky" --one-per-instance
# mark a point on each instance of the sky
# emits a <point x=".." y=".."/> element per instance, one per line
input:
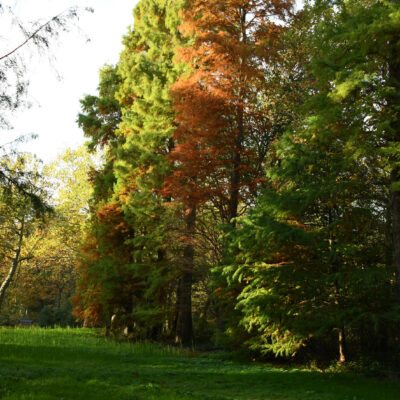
<point x="55" y="90"/>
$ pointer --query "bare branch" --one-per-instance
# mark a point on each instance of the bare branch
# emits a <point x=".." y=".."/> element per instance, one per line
<point x="32" y="35"/>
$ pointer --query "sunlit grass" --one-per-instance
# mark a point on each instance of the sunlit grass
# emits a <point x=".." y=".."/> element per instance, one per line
<point x="80" y="364"/>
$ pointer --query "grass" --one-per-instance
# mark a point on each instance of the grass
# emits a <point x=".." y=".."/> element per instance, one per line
<point x="76" y="364"/>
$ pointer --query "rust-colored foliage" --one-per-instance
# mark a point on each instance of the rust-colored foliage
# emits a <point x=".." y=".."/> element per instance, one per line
<point x="105" y="256"/>
<point x="220" y="121"/>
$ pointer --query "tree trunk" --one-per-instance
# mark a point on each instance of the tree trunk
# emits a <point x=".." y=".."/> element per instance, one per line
<point x="234" y="184"/>
<point x="342" y="346"/>
<point x="15" y="261"/>
<point x="59" y="297"/>
<point x="184" y="329"/>
<point x="7" y="281"/>
<point x="236" y="173"/>
<point x="157" y="329"/>
<point x="395" y="195"/>
<point x="220" y="318"/>
<point x="394" y="103"/>
<point x="237" y="156"/>
<point x="86" y="322"/>
<point x="176" y="314"/>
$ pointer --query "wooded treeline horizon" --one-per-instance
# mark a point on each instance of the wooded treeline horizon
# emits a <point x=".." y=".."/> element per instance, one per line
<point x="249" y="196"/>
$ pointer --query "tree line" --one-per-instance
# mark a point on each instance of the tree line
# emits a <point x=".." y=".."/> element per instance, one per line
<point x="249" y="195"/>
<point x="250" y="192"/>
<point x="43" y="216"/>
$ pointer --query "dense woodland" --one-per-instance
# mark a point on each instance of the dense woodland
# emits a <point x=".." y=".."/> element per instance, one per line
<point x="240" y="187"/>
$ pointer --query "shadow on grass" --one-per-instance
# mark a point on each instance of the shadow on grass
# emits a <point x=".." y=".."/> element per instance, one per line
<point x="112" y="372"/>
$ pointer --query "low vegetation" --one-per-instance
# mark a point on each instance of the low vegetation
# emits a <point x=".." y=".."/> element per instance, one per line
<point x="77" y="364"/>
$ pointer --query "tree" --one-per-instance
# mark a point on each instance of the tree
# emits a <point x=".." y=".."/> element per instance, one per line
<point x="313" y="252"/>
<point x="60" y="250"/>
<point x="49" y="275"/>
<point x="20" y="215"/>
<point x="147" y="70"/>
<point x="101" y="115"/>
<point x="100" y="118"/>
<point x="223" y="127"/>
<point x="220" y="147"/>
<point x="36" y="37"/>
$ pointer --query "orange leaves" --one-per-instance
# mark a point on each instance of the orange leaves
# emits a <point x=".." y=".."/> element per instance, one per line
<point x="109" y="213"/>
<point x="217" y="106"/>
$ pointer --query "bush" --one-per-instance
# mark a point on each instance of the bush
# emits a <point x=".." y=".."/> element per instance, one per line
<point x="49" y="316"/>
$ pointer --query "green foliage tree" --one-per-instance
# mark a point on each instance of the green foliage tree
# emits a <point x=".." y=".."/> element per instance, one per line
<point x="313" y="253"/>
<point x="139" y="273"/>
<point x="149" y="70"/>
<point x="100" y="118"/>
<point x="20" y="215"/>
<point x="48" y="276"/>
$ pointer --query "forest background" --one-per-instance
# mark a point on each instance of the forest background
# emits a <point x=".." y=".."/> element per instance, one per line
<point x="239" y="188"/>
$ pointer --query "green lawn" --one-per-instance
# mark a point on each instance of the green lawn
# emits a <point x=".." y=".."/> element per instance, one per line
<point x="75" y="364"/>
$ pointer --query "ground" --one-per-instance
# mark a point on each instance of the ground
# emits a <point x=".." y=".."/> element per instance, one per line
<point x="78" y="364"/>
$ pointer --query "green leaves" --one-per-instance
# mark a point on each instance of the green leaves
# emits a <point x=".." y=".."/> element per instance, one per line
<point x="310" y="257"/>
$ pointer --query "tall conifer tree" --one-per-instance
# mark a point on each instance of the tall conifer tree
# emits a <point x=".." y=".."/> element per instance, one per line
<point x="148" y="69"/>
<point x="313" y="251"/>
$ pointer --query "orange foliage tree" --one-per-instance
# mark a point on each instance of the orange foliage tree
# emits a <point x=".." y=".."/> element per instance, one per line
<point x="223" y="129"/>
